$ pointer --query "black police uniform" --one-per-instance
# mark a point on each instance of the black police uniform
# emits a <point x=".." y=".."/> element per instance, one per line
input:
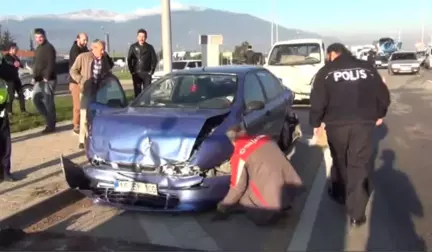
<point x="142" y="61"/>
<point x="349" y="95"/>
<point x="14" y="82"/>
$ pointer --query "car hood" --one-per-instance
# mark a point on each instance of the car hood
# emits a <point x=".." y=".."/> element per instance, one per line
<point x="404" y="62"/>
<point x="147" y="137"/>
<point x="296" y="74"/>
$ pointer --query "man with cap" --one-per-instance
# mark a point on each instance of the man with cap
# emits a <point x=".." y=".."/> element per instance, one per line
<point x="349" y="96"/>
<point x="5" y="137"/>
<point x="44" y="78"/>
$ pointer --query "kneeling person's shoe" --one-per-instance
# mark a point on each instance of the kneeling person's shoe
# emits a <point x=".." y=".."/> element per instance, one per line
<point x="9" y="178"/>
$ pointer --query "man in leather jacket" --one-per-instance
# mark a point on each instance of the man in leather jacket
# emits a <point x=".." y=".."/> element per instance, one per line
<point x="142" y="61"/>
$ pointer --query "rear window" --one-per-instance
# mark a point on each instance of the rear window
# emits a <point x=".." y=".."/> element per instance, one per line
<point x="403" y="56"/>
<point x="295" y="54"/>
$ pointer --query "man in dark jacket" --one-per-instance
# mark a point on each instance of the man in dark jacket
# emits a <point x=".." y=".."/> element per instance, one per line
<point x="14" y="82"/>
<point x="350" y="98"/>
<point x="263" y="182"/>
<point x="44" y="77"/>
<point x="250" y="56"/>
<point x="79" y="46"/>
<point x="371" y="58"/>
<point x="5" y="136"/>
<point x="142" y="61"/>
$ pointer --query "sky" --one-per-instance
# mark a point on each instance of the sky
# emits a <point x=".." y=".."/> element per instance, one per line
<point x="349" y="17"/>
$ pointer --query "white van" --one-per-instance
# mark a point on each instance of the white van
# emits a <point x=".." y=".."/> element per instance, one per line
<point x="296" y="62"/>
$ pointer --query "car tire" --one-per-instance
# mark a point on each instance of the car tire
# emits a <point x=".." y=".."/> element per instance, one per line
<point x="27" y="90"/>
<point x="291" y="131"/>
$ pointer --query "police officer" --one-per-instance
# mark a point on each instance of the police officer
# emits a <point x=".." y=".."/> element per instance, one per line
<point x="350" y="98"/>
<point x="142" y="61"/>
<point x="371" y="58"/>
<point x="5" y="138"/>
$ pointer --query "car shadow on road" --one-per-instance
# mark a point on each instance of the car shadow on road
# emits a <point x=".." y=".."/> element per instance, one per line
<point x="39" y="133"/>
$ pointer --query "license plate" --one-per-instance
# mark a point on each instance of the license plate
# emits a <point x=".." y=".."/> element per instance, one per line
<point x="136" y="187"/>
<point x="405" y="69"/>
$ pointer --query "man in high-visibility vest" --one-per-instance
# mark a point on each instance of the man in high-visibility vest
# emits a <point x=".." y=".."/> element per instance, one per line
<point x="263" y="184"/>
<point x="5" y="136"/>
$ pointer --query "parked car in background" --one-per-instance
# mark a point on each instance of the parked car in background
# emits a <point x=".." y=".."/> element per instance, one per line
<point x="421" y="56"/>
<point x="167" y="150"/>
<point x="403" y="62"/>
<point x="176" y="65"/>
<point x="26" y="76"/>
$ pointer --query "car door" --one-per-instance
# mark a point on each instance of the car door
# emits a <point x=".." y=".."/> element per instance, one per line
<point x="62" y="71"/>
<point x="110" y="96"/>
<point x="276" y="105"/>
<point x="255" y="121"/>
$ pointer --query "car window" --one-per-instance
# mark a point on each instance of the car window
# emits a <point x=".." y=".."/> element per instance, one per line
<point x="62" y="67"/>
<point x="111" y="93"/>
<point x="199" y="64"/>
<point x="271" y="85"/>
<point x="210" y="91"/>
<point x="252" y="89"/>
<point x="191" y="64"/>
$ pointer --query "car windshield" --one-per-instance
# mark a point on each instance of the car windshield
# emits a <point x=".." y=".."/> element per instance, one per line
<point x="404" y="56"/>
<point x="295" y="54"/>
<point x="179" y="65"/>
<point x="207" y="91"/>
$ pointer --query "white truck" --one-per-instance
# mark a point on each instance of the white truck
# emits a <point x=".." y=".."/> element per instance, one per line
<point x="295" y="63"/>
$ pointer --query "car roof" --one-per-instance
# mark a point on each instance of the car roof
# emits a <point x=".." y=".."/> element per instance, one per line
<point x="299" y="41"/>
<point x="228" y="69"/>
<point x="404" y="52"/>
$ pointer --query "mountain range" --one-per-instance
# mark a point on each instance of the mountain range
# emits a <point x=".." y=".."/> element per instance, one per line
<point x="187" y="22"/>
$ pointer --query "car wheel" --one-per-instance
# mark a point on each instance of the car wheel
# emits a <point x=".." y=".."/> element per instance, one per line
<point x="291" y="131"/>
<point x="27" y="92"/>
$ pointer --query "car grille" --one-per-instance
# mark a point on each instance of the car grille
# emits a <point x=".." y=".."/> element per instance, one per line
<point x="134" y="199"/>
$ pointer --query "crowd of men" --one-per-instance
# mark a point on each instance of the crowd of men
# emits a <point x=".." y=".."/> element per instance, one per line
<point x="348" y="100"/>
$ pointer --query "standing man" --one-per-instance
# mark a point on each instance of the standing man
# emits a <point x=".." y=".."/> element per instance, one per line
<point x="256" y="161"/>
<point x="371" y="58"/>
<point x="79" y="46"/>
<point x="350" y="97"/>
<point x="249" y="56"/>
<point x="142" y="61"/>
<point x="44" y="77"/>
<point x="87" y="70"/>
<point x="5" y="136"/>
<point x="14" y="82"/>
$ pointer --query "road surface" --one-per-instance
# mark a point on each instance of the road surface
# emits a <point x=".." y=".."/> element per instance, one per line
<point x="399" y="212"/>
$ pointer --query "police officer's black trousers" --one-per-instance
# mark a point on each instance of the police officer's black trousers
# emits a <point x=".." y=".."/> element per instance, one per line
<point x="351" y="147"/>
<point x="5" y="147"/>
<point x="15" y="86"/>
<point x="140" y="82"/>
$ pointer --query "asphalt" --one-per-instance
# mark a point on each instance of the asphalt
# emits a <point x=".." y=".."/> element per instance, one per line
<point x="398" y="214"/>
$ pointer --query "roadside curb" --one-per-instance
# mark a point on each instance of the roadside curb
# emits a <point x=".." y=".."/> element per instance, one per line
<point x="38" y="129"/>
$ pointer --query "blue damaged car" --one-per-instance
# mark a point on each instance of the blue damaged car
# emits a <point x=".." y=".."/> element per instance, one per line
<point x="167" y="149"/>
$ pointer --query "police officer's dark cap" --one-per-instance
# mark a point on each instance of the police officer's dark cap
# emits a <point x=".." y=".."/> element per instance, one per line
<point x="337" y="48"/>
<point x="40" y="31"/>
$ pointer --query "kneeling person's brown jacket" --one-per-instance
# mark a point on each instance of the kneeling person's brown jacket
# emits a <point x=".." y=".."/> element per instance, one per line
<point x="261" y="176"/>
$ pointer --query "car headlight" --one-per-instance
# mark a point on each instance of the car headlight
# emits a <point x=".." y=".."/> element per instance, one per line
<point x="416" y="65"/>
<point x="395" y="66"/>
<point x="180" y="170"/>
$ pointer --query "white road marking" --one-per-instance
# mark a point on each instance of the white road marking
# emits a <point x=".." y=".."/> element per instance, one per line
<point x="304" y="228"/>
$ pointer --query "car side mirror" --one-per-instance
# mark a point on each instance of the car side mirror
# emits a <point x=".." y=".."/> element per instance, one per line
<point x="254" y="106"/>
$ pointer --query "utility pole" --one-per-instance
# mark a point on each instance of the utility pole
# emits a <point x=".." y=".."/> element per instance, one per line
<point x="276" y="24"/>
<point x="166" y="35"/>
<point x="272" y="24"/>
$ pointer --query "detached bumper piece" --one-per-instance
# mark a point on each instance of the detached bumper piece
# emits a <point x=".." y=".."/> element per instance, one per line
<point x="77" y="180"/>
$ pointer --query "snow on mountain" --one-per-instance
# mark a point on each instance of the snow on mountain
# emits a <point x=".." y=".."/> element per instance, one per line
<point x="103" y="15"/>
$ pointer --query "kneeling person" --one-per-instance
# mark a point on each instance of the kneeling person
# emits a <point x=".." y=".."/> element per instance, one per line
<point x="263" y="182"/>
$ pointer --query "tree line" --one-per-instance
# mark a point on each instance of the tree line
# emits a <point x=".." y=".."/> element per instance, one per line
<point x="6" y="39"/>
